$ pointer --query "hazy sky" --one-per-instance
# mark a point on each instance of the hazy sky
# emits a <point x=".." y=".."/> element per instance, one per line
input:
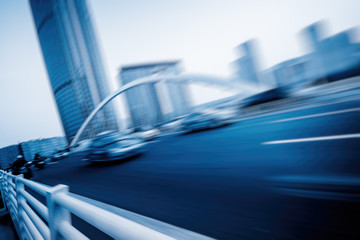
<point x="203" y="33"/>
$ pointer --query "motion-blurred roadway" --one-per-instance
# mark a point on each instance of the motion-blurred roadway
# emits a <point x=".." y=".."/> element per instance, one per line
<point x="292" y="174"/>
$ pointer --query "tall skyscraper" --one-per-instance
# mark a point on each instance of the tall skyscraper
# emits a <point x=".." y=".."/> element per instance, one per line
<point x="246" y="65"/>
<point x="74" y="64"/>
<point x="149" y="104"/>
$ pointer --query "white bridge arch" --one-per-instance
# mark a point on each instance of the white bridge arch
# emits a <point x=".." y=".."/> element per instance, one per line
<point x="185" y="78"/>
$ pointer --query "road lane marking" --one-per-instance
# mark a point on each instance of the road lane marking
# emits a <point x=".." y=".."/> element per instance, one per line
<point x="53" y="163"/>
<point x="297" y="107"/>
<point x="330" y="103"/>
<point x="325" y="138"/>
<point x="317" y="115"/>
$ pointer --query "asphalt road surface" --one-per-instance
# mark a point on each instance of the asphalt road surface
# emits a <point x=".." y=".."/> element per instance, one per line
<point x="292" y="174"/>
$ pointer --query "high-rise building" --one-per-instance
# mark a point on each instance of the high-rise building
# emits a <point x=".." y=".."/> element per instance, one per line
<point x="44" y="147"/>
<point x="246" y="65"/>
<point x="8" y="155"/>
<point x="330" y="59"/>
<point x="74" y="64"/>
<point x="154" y="103"/>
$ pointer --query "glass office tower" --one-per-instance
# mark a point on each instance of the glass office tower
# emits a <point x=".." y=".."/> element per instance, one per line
<point x="74" y="64"/>
<point x="146" y="102"/>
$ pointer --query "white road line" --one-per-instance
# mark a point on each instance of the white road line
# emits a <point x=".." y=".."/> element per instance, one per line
<point x="356" y="135"/>
<point x="298" y="107"/>
<point x="331" y="103"/>
<point x="318" y="115"/>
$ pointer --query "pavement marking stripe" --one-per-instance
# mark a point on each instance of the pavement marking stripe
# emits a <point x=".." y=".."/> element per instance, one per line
<point x="52" y="163"/>
<point x="335" y="137"/>
<point x="317" y="115"/>
<point x="298" y="107"/>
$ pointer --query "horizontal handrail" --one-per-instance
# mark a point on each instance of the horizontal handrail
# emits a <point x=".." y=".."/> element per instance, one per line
<point x="11" y="176"/>
<point x="31" y="226"/>
<point x="34" y="220"/>
<point x="13" y="201"/>
<point x="40" y="225"/>
<point x="25" y="232"/>
<point x="69" y="232"/>
<point x="37" y="187"/>
<point x="110" y="223"/>
<point x="13" y="208"/>
<point x="12" y="183"/>
<point x="36" y="204"/>
<point x="13" y="193"/>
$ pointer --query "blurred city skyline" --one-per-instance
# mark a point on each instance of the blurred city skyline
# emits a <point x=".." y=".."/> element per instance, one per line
<point x="203" y="34"/>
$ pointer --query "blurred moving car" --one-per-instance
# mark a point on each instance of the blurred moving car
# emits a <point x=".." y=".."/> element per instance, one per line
<point x="265" y="97"/>
<point x="82" y="146"/>
<point x="171" y="126"/>
<point x="109" y="146"/>
<point x="61" y="154"/>
<point x="150" y="134"/>
<point x="206" y="119"/>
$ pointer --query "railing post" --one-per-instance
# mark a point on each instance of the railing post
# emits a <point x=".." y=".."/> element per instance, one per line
<point x="2" y="179"/>
<point x="5" y="191"/>
<point x="6" y="185"/>
<point x="57" y="214"/>
<point x="19" y="198"/>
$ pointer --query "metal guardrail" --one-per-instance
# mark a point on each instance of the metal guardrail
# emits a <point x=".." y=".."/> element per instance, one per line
<point x="34" y="220"/>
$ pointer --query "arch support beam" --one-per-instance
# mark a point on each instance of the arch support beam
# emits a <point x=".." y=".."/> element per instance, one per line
<point x="182" y="78"/>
